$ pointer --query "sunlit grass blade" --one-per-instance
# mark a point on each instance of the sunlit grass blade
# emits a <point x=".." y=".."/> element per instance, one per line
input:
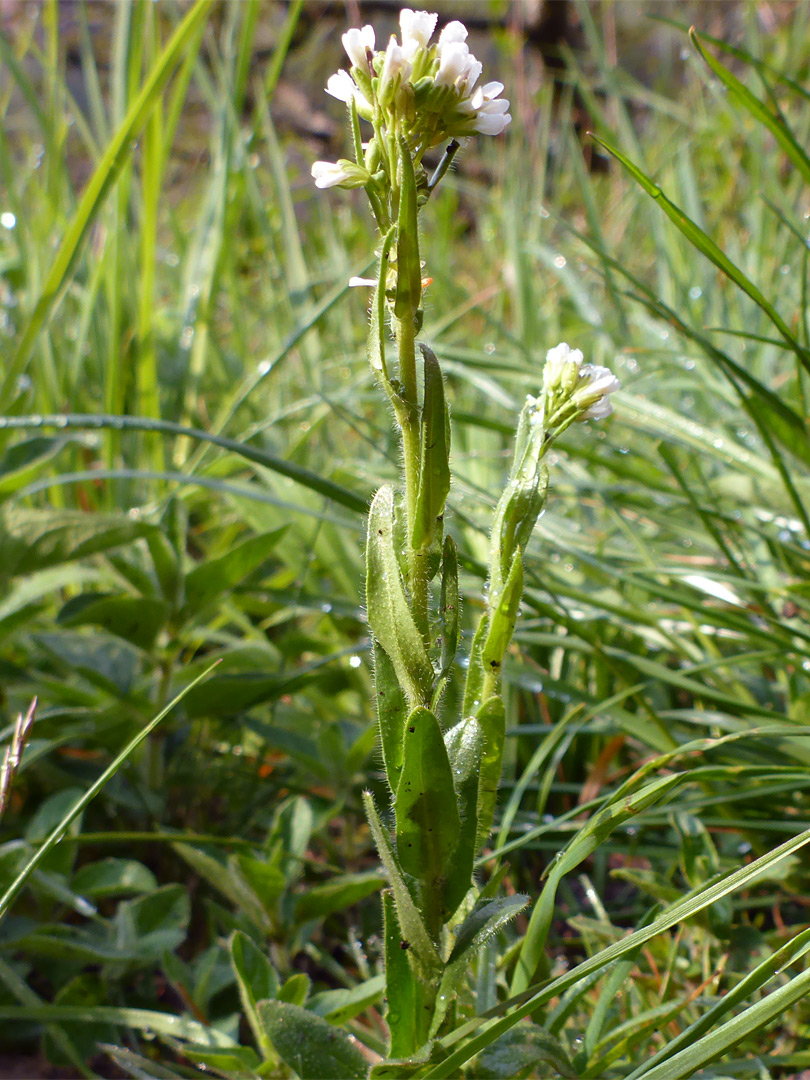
<point x="117" y="154"/>
<point x="58" y="832"/>
<point x="706" y="246"/>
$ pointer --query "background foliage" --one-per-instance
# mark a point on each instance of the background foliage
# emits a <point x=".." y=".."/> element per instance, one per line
<point x="166" y="259"/>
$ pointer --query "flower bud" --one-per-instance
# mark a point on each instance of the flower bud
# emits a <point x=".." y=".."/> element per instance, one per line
<point x="343" y="173"/>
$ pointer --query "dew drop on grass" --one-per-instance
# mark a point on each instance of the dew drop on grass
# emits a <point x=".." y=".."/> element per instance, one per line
<point x="695" y="292"/>
<point x="326" y="608"/>
<point x="7" y="219"/>
<point x="784" y="269"/>
<point x="560" y="261"/>
<point x="355" y="661"/>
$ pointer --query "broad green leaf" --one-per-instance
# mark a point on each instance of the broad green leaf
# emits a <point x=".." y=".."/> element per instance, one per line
<point x="410" y="920"/>
<point x="214" y="577"/>
<point x="137" y="619"/>
<point x="389" y="614"/>
<point x="434" y="465"/>
<point x="32" y="540"/>
<point x="309" y="1045"/>
<point x="113" y="877"/>
<point x="427" y="818"/>
<point x="392" y="712"/>
<point x="341" y="892"/>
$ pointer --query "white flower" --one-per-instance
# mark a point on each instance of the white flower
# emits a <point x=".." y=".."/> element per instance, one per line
<point x="454" y="31"/>
<point x="455" y="62"/>
<point x="330" y="173"/>
<point x="595" y="385"/>
<point x="356" y="42"/>
<point x="562" y="368"/>
<point x="492" y="113"/>
<point x="342" y="86"/>
<point x="396" y="63"/>
<point x="416" y="28"/>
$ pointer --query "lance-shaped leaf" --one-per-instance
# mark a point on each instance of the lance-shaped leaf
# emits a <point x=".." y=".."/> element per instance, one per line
<point x="434" y="466"/>
<point x="421" y="947"/>
<point x="401" y="990"/>
<point x="492" y="720"/>
<point x="449" y="613"/>
<point x="503" y="616"/>
<point x="389" y="615"/>
<point x="476" y="930"/>
<point x="256" y="979"/>
<point x="427" y="820"/>
<point x="409" y="268"/>
<point x="465" y="743"/>
<point x="474" y="685"/>
<point x="392" y="712"/>
<point x="309" y="1045"/>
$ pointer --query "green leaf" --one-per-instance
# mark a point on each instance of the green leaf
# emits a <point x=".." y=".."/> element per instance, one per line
<point x="215" y="577"/>
<point x="266" y="880"/>
<point x="706" y="246"/>
<point x="389" y="615"/>
<point x="32" y="540"/>
<point x="409" y="268"/>
<point x="483" y="923"/>
<point x="464" y="744"/>
<point x="392" y="711"/>
<point x="427" y="820"/>
<point x="113" y="877"/>
<point x="492" y="718"/>
<point x="341" y="892"/>
<point x="525" y="1047"/>
<point x="237" y="1063"/>
<point x="257" y="979"/>
<point x="401" y="991"/>
<point x="474" y="683"/>
<point x="309" y="1045"/>
<point x="624" y="804"/>
<point x="295" y="990"/>
<point x="774" y="123"/>
<point x="137" y="619"/>
<point x="23" y="461"/>
<point x="410" y="920"/>
<point x="153" y="924"/>
<point x="339" y="1006"/>
<point x="434" y="465"/>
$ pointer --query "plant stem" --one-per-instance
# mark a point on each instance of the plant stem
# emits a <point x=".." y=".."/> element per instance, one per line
<point x="411" y="453"/>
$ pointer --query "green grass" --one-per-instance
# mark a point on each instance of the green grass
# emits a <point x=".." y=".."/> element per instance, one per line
<point x="196" y="284"/>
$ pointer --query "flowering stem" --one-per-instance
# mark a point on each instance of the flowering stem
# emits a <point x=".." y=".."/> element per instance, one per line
<point x="408" y="418"/>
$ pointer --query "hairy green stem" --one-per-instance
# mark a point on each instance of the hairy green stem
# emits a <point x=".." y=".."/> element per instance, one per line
<point x="417" y="569"/>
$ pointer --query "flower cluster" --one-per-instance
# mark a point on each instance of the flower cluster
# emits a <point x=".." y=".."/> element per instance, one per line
<point x="426" y="93"/>
<point x="573" y="390"/>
